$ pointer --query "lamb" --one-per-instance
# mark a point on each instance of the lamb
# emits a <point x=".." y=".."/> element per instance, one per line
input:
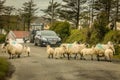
<point x="26" y="49"/>
<point x="3" y="49"/>
<point x="50" y="51"/>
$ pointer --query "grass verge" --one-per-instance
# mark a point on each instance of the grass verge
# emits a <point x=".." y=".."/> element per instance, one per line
<point x="6" y="69"/>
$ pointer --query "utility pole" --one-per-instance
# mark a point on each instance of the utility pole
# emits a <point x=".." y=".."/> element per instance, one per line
<point x="52" y="10"/>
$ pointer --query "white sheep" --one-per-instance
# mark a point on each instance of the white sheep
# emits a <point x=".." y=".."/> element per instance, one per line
<point x="108" y="54"/>
<point x="101" y="48"/>
<point x="26" y="50"/>
<point x="68" y="49"/>
<point x="14" y="49"/>
<point x="3" y="49"/>
<point x="60" y="51"/>
<point x="73" y="49"/>
<point x="50" y="51"/>
<point x="88" y="51"/>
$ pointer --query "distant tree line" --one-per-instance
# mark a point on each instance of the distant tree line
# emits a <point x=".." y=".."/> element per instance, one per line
<point x="84" y="11"/>
<point x="15" y="19"/>
<point x="77" y="12"/>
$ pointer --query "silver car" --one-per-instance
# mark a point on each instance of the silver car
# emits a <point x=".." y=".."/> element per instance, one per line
<point x="47" y="37"/>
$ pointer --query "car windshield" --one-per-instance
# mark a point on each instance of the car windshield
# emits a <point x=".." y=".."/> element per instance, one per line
<point x="48" y="33"/>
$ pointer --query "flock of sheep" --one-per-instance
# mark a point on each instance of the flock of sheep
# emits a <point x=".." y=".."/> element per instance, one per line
<point x="14" y="49"/>
<point x="75" y="49"/>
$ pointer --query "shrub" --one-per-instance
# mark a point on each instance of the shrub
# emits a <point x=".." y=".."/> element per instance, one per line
<point x="117" y="50"/>
<point x="77" y="35"/>
<point x="2" y="38"/>
<point x="61" y="28"/>
<point x="113" y="36"/>
<point x="98" y="31"/>
<point x="6" y="69"/>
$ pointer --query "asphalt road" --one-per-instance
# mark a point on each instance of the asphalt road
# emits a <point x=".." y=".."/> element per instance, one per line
<point x="39" y="67"/>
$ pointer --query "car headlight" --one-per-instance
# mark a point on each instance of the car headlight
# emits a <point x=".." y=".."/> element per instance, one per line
<point x="59" y="39"/>
<point x="44" y="39"/>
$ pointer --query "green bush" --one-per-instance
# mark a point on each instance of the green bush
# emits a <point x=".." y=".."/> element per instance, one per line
<point x="4" y="68"/>
<point x="77" y="35"/>
<point x="2" y="38"/>
<point x="61" y="28"/>
<point x="117" y="50"/>
<point x="94" y="38"/>
<point x="98" y="31"/>
<point x="113" y="36"/>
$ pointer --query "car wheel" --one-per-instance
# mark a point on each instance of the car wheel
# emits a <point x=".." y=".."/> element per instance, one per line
<point x="41" y="45"/>
<point x="31" y="41"/>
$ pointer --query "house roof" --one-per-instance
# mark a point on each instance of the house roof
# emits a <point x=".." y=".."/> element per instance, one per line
<point x="20" y="34"/>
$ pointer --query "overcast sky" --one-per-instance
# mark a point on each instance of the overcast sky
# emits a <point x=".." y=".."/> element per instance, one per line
<point x="41" y="4"/>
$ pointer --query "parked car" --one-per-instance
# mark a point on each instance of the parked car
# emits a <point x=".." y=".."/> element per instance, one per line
<point x="32" y="35"/>
<point x="46" y="37"/>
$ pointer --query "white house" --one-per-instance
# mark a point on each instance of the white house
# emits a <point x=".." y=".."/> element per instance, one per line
<point x="17" y="35"/>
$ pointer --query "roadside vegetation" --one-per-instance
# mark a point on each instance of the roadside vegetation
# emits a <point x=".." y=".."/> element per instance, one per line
<point x="2" y="38"/>
<point x="97" y="34"/>
<point x="6" y="69"/>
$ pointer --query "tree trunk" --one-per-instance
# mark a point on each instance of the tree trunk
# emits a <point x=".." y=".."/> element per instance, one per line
<point x="78" y="13"/>
<point x="92" y="16"/>
<point x="116" y="15"/>
<point x="52" y="10"/>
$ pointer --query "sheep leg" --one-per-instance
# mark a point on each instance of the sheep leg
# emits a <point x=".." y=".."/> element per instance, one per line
<point x="98" y="58"/>
<point x="52" y="56"/>
<point x="28" y="53"/>
<point x="91" y="57"/>
<point x="105" y="58"/>
<point x="61" y="56"/>
<point x="81" y="56"/>
<point x="64" y="55"/>
<point x="10" y="57"/>
<point x="68" y="56"/>
<point x="48" y="56"/>
<point x="18" y="56"/>
<point x="110" y="57"/>
<point x="84" y="58"/>
<point x="75" y="56"/>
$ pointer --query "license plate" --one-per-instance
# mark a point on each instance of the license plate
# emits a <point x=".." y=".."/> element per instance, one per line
<point x="53" y="42"/>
